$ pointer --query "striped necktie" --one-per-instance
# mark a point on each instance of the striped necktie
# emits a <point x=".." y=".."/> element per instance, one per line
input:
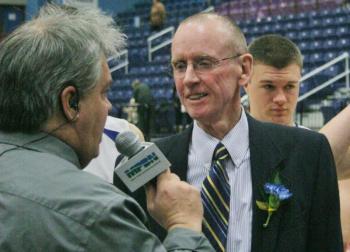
<point x="216" y="200"/>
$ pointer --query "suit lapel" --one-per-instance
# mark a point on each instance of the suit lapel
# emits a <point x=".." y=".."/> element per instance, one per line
<point x="176" y="149"/>
<point x="265" y="158"/>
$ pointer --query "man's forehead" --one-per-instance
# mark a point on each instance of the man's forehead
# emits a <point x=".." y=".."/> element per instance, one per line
<point x="292" y="68"/>
<point x="268" y="74"/>
<point x="198" y="39"/>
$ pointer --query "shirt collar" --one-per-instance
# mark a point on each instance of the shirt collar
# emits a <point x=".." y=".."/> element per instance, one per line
<point x="236" y="141"/>
<point x="42" y="142"/>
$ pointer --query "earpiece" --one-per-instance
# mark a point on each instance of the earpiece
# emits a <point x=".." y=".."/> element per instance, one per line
<point x="74" y="101"/>
<point x="71" y="93"/>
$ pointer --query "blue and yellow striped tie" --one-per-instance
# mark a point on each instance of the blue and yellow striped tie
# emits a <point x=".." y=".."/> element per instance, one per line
<point x="216" y="200"/>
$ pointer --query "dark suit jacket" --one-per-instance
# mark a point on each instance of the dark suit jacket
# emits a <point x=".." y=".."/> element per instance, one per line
<point x="309" y="221"/>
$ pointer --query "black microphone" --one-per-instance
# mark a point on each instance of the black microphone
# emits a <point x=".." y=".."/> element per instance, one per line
<point x="142" y="162"/>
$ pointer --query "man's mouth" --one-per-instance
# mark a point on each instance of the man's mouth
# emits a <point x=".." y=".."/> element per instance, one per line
<point x="197" y="96"/>
<point x="279" y="110"/>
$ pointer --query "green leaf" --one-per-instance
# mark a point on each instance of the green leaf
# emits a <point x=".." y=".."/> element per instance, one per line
<point x="262" y="205"/>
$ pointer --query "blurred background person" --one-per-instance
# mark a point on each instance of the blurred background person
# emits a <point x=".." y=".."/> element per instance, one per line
<point x="145" y="107"/>
<point x="157" y="15"/>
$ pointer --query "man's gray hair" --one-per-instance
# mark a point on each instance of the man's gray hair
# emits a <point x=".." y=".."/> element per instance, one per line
<point x="60" y="47"/>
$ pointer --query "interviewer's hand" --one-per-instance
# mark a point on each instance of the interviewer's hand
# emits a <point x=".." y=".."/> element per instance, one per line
<point x="174" y="203"/>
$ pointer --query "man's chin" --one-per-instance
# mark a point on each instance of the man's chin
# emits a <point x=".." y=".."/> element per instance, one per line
<point x="88" y="158"/>
<point x="282" y="121"/>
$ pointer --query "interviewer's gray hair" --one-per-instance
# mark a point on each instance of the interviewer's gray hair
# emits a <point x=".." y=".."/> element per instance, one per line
<point x="60" y="47"/>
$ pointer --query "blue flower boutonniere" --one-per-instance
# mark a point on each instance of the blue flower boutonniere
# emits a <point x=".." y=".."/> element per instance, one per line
<point x="276" y="193"/>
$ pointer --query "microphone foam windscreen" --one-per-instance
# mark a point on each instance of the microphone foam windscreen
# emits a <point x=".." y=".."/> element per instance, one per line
<point x="127" y="143"/>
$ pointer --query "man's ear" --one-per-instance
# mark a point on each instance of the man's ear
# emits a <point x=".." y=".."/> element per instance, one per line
<point x="69" y="99"/>
<point x="247" y="69"/>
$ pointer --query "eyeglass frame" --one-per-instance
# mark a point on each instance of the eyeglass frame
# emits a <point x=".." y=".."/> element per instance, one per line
<point x="214" y="64"/>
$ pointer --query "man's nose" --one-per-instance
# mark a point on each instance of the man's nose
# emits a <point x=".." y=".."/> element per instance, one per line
<point x="190" y="77"/>
<point x="280" y="97"/>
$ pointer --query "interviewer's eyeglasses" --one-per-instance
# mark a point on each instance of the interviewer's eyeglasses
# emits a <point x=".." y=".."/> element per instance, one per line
<point x="202" y="64"/>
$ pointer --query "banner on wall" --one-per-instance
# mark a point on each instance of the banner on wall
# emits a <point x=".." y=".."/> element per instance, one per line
<point x="81" y="3"/>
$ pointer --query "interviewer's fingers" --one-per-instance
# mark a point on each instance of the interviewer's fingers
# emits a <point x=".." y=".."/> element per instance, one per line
<point x="167" y="176"/>
<point x="174" y="203"/>
<point x="150" y="195"/>
<point x="151" y="188"/>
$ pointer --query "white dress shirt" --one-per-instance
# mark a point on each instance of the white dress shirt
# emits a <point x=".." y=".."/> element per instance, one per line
<point x="236" y="141"/>
<point x="103" y="165"/>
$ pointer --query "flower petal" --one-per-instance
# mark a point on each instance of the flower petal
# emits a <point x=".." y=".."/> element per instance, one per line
<point x="279" y="190"/>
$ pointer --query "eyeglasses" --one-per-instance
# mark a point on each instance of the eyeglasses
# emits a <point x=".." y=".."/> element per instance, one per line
<point x="202" y="64"/>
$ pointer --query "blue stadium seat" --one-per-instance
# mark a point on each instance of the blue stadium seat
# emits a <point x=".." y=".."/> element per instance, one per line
<point x="329" y="32"/>
<point x="344" y="43"/>
<point x="316" y="58"/>
<point x="329" y="21"/>
<point x="332" y="71"/>
<point x="316" y="33"/>
<point x="163" y="58"/>
<point x="315" y="23"/>
<point x="246" y="30"/>
<point x="301" y="25"/>
<point x="304" y="34"/>
<point x="158" y="93"/>
<point x="341" y="20"/>
<point x="315" y="45"/>
<point x="343" y="31"/>
<point x="329" y="56"/>
<point x="292" y="35"/>
<point x="307" y="62"/>
<point x="304" y="46"/>
<point x="147" y="80"/>
<point x="267" y="28"/>
<point x="303" y="88"/>
<point x="330" y="44"/>
<point x="289" y="26"/>
<point x="156" y="81"/>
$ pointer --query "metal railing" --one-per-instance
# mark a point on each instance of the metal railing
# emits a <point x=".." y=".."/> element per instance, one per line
<point x="345" y="73"/>
<point x="153" y="48"/>
<point x="123" y="60"/>
<point x="209" y="9"/>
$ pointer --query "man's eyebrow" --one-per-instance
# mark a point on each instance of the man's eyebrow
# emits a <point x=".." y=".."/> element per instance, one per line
<point x="293" y="82"/>
<point x="266" y="81"/>
<point x="176" y="60"/>
<point x="205" y="56"/>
